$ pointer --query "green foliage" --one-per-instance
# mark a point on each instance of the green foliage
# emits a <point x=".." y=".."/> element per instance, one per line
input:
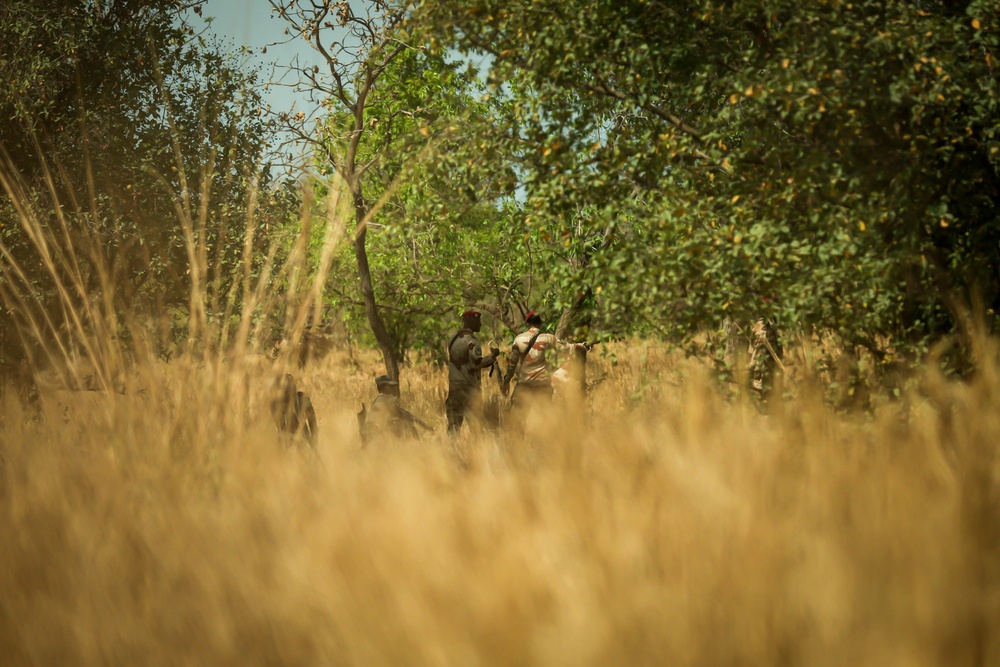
<point x="654" y="167"/>
<point x="833" y="165"/>
<point x="122" y="120"/>
<point x="443" y="238"/>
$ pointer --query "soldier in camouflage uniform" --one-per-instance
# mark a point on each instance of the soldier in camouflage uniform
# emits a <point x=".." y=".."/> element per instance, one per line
<point x="529" y="356"/>
<point x="528" y="362"/>
<point x="465" y="366"/>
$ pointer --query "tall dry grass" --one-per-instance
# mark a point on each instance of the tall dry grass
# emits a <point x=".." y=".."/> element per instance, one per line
<point x="164" y="520"/>
<point x="685" y="530"/>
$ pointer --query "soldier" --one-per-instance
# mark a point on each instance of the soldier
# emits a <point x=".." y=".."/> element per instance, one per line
<point x="465" y="366"/>
<point x="293" y="411"/>
<point x="386" y="416"/>
<point x="528" y="363"/>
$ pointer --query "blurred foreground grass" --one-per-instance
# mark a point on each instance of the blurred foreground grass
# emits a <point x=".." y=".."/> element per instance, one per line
<point x="170" y="525"/>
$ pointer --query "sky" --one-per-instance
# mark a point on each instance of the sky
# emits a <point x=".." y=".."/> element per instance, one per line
<point x="250" y="23"/>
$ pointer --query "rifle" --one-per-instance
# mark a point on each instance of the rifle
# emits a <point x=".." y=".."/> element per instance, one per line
<point x="419" y="422"/>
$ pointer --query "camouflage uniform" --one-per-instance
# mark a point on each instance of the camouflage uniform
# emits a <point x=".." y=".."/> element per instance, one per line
<point x="465" y="366"/>
<point x="533" y="379"/>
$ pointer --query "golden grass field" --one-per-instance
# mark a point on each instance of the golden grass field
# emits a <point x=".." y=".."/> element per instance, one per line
<point x="171" y="525"/>
<point x="659" y="522"/>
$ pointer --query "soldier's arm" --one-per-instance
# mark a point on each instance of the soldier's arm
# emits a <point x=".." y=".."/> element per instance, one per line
<point x="475" y="353"/>
<point x="567" y="345"/>
<point x="564" y="347"/>
<point x="479" y="361"/>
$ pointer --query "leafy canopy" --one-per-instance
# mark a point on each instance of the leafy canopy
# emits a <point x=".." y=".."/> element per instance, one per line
<point x="443" y="239"/>
<point x="829" y="164"/>
<point x="122" y="123"/>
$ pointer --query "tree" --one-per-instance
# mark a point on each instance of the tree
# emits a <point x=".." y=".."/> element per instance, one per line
<point x="394" y="123"/>
<point x="833" y="165"/>
<point x="357" y="48"/>
<point x="446" y="236"/>
<point x="117" y="117"/>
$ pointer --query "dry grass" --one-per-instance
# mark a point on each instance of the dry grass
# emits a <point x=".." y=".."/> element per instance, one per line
<point x="659" y="524"/>
<point x="175" y="527"/>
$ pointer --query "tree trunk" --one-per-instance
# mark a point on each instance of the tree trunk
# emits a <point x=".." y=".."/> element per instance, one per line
<point x="567" y="315"/>
<point x="368" y="294"/>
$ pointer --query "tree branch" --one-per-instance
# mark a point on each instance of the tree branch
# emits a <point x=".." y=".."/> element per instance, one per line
<point x="497" y="314"/>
